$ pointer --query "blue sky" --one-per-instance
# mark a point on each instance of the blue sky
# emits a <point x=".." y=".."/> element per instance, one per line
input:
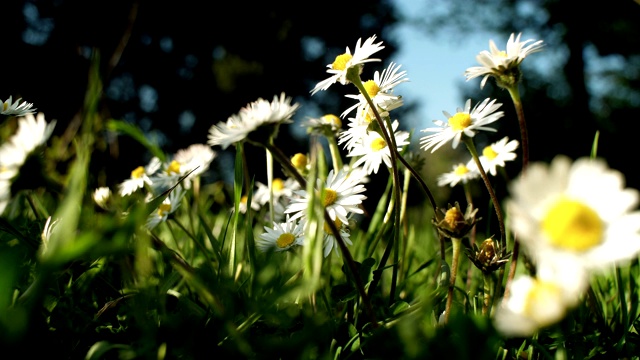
<point x="434" y="67"/>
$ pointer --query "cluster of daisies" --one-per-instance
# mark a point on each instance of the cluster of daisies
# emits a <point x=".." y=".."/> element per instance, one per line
<point x="177" y="173"/>
<point x="32" y="132"/>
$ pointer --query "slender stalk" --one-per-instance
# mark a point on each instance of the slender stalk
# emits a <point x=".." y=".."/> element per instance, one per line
<point x="496" y="203"/>
<point x="452" y="279"/>
<point x="270" y="184"/>
<point x="524" y="142"/>
<point x="348" y="259"/>
<point x="335" y="153"/>
<point x="488" y="282"/>
<point x="390" y="139"/>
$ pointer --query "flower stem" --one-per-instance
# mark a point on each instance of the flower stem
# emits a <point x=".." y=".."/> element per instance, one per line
<point x="496" y="204"/>
<point x="452" y="279"/>
<point x="488" y="288"/>
<point x="348" y="259"/>
<point x="524" y="140"/>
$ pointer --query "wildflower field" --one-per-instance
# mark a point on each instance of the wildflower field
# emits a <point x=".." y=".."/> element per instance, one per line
<point x="167" y="265"/>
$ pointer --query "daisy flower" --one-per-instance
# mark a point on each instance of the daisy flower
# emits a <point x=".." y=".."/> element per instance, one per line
<point x="168" y="206"/>
<point x="461" y="173"/>
<point x="33" y="131"/>
<point x="139" y="177"/>
<point x="497" y="62"/>
<point x="380" y="90"/>
<point x="5" y="194"/>
<point x="465" y="122"/>
<point x="535" y="303"/>
<point x="47" y="230"/>
<point x="258" y="115"/>
<point x="16" y="108"/>
<point x="102" y="197"/>
<point x="194" y="160"/>
<point x="373" y="149"/>
<point x="283" y="236"/>
<point x="577" y="209"/>
<point x="324" y="125"/>
<point x="345" y="62"/>
<point x="331" y="242"/>
<point x="497" y="153"/>
<point x="341" y="196"/>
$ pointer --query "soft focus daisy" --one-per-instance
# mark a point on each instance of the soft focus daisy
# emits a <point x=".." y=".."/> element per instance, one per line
<point x="33" y="131"/>
<point x="168" y="206"/>
<point x="260" y="119"/>
<point x="283" y="236"/>
<point x="193" y="160"/>
<point x="461" y="173"/>
<point x="577" y="209"/>
<point x="496" y="154"/>
<point x="498" y="63"/>
<point x="16" y="108"/>
<point x="535" y="303"/>
<point x="330" y="240"/>
<point x="324" y="125"/>
<point x="465" y="122"/>
<point x="380" y="90"/>
<point x="139" y="177"/>
<point x="102" y="197"/>
<point x="344" y="62"/>
<point x="373" y="149"/>
<point x="341" y="196"/>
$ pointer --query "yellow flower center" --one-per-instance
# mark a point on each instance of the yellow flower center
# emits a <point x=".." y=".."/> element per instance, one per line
<point x="329" y="197"/>
<point x="277" y="184"/>
<point x="5" y="106"/>
<point x="338" y="223"/>
<point x="371" y="87"/>
<point x="285" y="240"/>
<point x="174" y="167"/>
<point x="137" y="172"/>
<point x="378" y="144"/>
<point x="539" y="298"/>
<point x="461" y="170"/>
<point x="489" y="153"/>
<point x="573" y="225"/>
<point x="502" y="54"/>
<point x="244" y="199"/>
<point x="164" y="209"/>
<point x="460" y="121"/>
<point x="453" y="217"/>
<point x="340" y="63"/>
<point x="299" y="161"/>
<point x="333" y="120"/>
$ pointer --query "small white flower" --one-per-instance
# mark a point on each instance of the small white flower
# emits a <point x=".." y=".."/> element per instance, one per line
<point x="497" y="62"/>
<point x="465" y="122"/>
<point x="139" y="177"/>
<point x="331" y="242"/>
<point x="16" y="108"/>
<point x="5" y="194"/>
<point x="46" y="235"/>
<point x="344" y="62"/>
<point x="102" y="197"/>
<point x="193" y="160"/>
<point x="250" y="118"/>
<point x="341" y="196"/>
<point x="380" y="90"/>
<point x="168" y="206"/>
<point x="535" y="303"/>
<point x="578" y="210"/>
<point x="373" y="149"/>
<point x="324" y="124"/>
<point x="283" y="236"/>
<point x="496" y="154"/>
<point x="461" y="173"/>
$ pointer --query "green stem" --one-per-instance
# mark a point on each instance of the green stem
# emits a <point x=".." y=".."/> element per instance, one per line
<point x="496" y="204"/>
<point x="348" y="259"/>
<point x="524" y="145"/>
<point x="488" y="288"/>
<point x="335" y="153"/>
<point x="452" y="279"/>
